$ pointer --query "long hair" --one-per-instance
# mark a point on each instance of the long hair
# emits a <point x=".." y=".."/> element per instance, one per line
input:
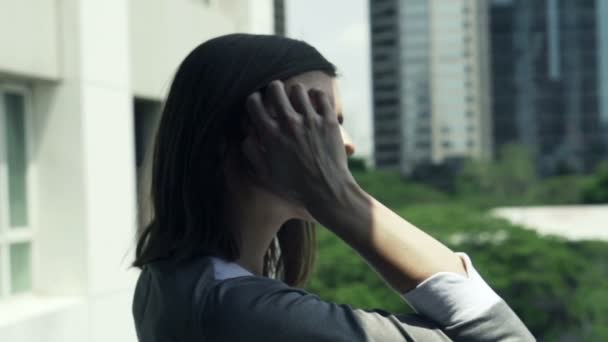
<point x="200" y="123"/>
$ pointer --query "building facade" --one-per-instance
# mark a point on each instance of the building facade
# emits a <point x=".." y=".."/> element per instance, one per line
<point x="430" y="85"/>
<point x="550" y="80"/>
<point x="81" y="85"/>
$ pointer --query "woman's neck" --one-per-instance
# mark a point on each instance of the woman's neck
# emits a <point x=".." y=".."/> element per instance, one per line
<point x="256" y="217"/>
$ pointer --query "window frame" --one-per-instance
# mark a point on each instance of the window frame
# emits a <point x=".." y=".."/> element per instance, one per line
<point x="26" y="234"/>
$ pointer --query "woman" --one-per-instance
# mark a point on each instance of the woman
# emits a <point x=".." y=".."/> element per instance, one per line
<point x="249" y="153"/>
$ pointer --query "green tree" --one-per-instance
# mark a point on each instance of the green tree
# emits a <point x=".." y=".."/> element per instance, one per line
<point x="596" y="188"/>
<point x="557" y="190"/>
<point x="557" y="287"/>
<point x="505" y="181"/>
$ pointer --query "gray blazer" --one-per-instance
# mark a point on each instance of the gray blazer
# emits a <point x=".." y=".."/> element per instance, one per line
<point x="187" y="303"/>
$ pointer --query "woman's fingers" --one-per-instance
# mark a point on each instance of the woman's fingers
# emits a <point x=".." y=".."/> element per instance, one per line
<point x="301" y="102"/>
<point x="260" y="117"/>
<point x="324" y="106"/>
<point x="287" y="116"/>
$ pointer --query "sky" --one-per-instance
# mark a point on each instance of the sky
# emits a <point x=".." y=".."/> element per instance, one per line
<point x="339" y="29"/>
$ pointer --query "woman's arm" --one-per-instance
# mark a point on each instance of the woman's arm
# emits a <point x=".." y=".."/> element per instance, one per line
<point x="301" y="155"/>
<point x="400" y="252"/>
<point x="438" y="283"/>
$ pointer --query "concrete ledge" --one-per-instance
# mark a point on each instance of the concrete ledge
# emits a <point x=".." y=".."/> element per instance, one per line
<point x="27" y="306"/>
<point x="577" y="222"/>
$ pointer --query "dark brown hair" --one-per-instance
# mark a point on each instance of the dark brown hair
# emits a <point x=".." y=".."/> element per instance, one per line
<point x="204" y="109"/>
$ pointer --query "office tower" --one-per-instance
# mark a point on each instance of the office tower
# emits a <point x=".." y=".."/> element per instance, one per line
<point x="550" y="79"/>
<point x="430" y="86"/>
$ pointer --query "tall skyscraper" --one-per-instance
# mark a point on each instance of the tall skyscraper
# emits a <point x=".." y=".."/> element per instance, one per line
<point x="550" y="80"/>
<point x="430" y="86"/>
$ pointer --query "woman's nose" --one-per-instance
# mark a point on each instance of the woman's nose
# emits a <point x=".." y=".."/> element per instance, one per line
<point x="350" y="149"/>
<point x="349" y="146"/>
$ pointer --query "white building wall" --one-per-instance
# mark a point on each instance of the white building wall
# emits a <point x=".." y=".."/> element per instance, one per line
<point x="162" y="32"/>
<point x="83" y="61"/>
<point x="28" y="38"/>
<point x="48" y="320"/>
<point x="253" y="16"/>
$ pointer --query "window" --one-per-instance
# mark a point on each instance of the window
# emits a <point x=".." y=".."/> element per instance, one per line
<point x="468" y="52"/>
<point x="15" y="214"/>
<point x="146" y="118"/>
<point x="387" y="147"/>
<point x="378" y="29"/>
<point x="423" y="144"/>
<point x="386" y="101"/>
<point x="383" y="40"/>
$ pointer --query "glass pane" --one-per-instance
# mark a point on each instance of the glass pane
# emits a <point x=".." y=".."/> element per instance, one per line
<point x="20" y="275"/>
<point x="16" y="158"/>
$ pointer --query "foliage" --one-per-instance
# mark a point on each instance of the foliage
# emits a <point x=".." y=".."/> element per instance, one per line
<point x="557" y="287"/>
<point x="557" y="190"/>
<point x="504" y="181"/>
<point x="393" y="190"/>
<point x="342" y="276"/>
<point x="537" y="276"/>
<point x="357" y="164"/>
<point x="512" y="181"/>
<point x="596" y="189"/>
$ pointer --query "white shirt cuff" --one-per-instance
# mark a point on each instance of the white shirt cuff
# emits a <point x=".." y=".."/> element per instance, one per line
<point x="449" y="298"/>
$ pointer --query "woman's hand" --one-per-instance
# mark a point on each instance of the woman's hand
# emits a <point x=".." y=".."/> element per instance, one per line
<point x="298" y="152"/>
<point x="301" y="155"/>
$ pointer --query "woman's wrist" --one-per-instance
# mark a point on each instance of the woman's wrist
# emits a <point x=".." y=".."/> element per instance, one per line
<point x="348" y="214"/>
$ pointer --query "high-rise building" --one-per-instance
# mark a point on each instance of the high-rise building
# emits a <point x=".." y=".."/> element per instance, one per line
<point x="550" y="80"/>
<point x="430" y="86"/>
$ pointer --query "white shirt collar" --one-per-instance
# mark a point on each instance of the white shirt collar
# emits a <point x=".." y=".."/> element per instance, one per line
<point x="225" y="269"/>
